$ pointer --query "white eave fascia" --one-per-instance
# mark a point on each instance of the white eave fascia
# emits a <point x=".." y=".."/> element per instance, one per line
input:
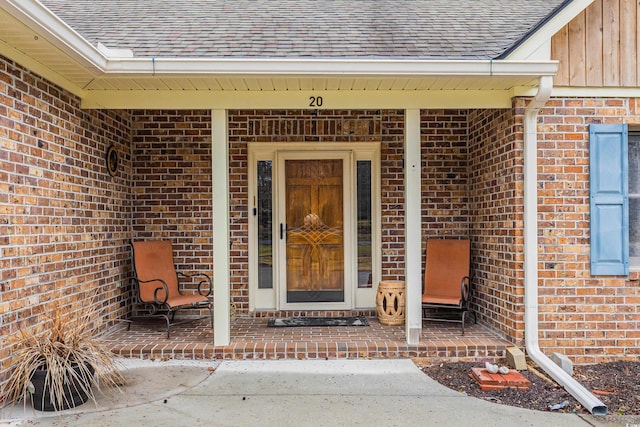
<point x="327" y="67"/>
<point x="549" y="29"/>
<point x="43" y="22"/>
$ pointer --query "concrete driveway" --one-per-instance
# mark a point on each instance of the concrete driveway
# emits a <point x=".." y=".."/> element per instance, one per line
<point x="389" y="392"/>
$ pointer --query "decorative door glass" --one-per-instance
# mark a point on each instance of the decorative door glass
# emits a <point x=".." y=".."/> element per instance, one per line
<point x="314" y="230"/>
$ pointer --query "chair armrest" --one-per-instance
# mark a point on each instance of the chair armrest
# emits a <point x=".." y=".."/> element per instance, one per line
<point x="465" y="290"/>
<point x="164" y="288"/>
<point x="205" y="280"/>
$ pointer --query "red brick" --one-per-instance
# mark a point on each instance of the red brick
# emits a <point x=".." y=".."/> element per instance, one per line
<point x="488" y="381"/>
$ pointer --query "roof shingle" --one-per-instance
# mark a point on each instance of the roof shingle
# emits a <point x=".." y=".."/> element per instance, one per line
<point x="409" y="29"/>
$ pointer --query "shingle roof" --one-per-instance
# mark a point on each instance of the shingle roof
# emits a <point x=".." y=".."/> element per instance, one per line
<point x="425" y="29"/>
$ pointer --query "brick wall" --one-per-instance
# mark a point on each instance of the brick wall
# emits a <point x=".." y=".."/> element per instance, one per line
<point x="64" y="221"/>
<point x="445" y="157"/>
<point x="392" y="194"/>
<point x="172" y="187"/>
<point x="496" y="205"/>
<point x="588" y="318"/>
<point x="591" y="319"/>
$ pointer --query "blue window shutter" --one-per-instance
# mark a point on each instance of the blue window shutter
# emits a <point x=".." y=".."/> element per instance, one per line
<point x="609" y="200"/>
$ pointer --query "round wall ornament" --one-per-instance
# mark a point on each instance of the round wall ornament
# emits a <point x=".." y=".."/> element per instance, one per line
<point x="112" y="160"/>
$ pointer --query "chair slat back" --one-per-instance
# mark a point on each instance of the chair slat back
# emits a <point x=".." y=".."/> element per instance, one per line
<point x="448" y="261"/>
<point x="153" y="259"/>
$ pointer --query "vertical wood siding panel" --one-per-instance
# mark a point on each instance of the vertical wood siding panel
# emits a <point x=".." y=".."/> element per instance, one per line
<point x="560" y="52"/>
<point x="611" y="46"/>
<point x="628" y="46"/>
<point x="594" y="44"/>
<point x="577" y="46"/>
<point x="600" y="47"/>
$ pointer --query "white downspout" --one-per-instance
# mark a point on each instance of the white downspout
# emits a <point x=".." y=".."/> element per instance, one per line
<point x="582" y="395"/>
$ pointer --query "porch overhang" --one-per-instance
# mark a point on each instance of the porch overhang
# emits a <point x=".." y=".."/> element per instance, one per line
<point x="34" y="37"/>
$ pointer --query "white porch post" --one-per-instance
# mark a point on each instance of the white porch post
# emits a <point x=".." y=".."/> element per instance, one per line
<point x="413" y="226"/>
<point x="220" y="171"/>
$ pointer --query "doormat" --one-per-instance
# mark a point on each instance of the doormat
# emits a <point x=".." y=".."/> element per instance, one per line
<point x="286" y="322"/>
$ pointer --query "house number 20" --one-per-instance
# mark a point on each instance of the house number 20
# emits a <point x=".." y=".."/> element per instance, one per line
<point x="315" y="101"/>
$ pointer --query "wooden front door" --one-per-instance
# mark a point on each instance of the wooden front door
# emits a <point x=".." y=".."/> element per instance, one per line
<point x="314" y="230"/>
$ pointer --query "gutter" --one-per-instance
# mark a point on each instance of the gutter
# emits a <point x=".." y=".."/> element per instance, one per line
<point x="582" y="395"/>
<point x="329" y="66"/>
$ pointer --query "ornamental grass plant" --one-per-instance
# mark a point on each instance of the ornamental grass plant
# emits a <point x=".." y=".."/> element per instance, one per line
<point x="63" y="350"/>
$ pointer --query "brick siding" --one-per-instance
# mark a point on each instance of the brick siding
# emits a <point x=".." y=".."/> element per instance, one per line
<point x="64" y="221"/>
<point x="172" y="187"/>
<point x="496" y="195"/>
<point x="588" y="318"/>
<point x="445" y="173"/>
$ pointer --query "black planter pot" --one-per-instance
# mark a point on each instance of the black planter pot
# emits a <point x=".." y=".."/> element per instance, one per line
<point x="74" y="390"/>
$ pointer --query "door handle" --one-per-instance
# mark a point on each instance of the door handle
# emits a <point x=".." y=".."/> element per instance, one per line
<point x="283" y="230"/>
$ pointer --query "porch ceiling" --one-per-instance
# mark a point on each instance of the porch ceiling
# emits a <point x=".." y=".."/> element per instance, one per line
<point x="308" y="83"/>
<point x="114" y="79"/>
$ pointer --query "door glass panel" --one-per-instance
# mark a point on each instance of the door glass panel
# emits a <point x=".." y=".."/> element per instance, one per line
<point x="364" y="223"/>
<point x="314" y="230"/>
<point x="265" y="225"/>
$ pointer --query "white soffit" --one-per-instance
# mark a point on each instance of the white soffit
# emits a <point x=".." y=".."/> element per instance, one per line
<point x="312" y="83"/>
<point x="35" y="52"/>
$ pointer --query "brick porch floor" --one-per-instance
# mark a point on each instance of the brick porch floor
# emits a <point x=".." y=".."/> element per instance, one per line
<point x="252" y="339"/>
